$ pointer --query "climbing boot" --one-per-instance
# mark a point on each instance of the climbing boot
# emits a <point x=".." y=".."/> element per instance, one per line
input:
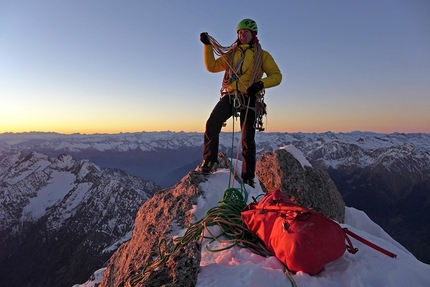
<point x="249" y="182"/>
<point x="206" y="167"/>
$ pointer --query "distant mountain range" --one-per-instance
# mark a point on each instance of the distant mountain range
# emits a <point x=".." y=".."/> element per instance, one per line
<point x="71" y="184"/>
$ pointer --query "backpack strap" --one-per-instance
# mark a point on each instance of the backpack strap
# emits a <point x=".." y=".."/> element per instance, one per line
<point x="349" y="246"/>
<point x="368" y="243"/>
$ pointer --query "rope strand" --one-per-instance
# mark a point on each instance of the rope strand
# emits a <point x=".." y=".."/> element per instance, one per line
<point x="228" y="54"/>
<point x="227" y="216"/>
<point x="232" y="71"/>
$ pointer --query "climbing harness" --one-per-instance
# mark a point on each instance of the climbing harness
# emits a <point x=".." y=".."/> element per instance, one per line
<point x="234" y="72"/>
<point x="227" y="216"/>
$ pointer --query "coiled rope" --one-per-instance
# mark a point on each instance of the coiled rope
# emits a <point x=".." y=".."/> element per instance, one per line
<point x="233" y="72"/>
<point x="227" y="216"/>
<point x="228" y="54"/>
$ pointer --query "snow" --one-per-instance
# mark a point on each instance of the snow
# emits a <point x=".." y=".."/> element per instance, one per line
<point x="49" y="195"/>
<point x="147" y="141"/>
<point x="297" y="155"/>
<point x="22" y="172"/>
<point x="118" y="243"/>
<point x="95" y="279"/>
<point x="240" y="267"/>
<point x="85" y="169"/>
<point x="78" y="195"/>
<point x="368" y="267"/>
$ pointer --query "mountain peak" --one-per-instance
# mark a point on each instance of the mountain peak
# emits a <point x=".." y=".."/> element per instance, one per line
<point x="73" y="209"/>
<point x="167" y="214"/>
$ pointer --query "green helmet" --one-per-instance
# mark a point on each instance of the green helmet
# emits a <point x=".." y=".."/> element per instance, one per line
<point x="248" y="24"/>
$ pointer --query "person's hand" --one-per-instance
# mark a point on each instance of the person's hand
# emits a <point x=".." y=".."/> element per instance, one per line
<point x="204" y="38"/>
<point x="255" y="88"/>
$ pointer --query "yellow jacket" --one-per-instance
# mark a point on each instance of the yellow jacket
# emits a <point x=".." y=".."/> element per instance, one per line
<point x="269" y="67"/>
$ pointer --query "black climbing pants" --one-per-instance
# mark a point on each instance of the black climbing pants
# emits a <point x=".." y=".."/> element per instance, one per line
<point x="222" y="111"/>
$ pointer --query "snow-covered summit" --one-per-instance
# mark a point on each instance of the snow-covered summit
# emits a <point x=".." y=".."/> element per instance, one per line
<point x="240" y="267"/>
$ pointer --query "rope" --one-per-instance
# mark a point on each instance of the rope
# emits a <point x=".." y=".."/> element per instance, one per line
<point x="227" y="53"/>
<point x="228" y="217"/>
<point x="290" y="277"/>
<point x="239" y="145"/>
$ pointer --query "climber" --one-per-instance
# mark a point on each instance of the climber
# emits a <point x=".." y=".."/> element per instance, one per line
<point x="244" y="64"/>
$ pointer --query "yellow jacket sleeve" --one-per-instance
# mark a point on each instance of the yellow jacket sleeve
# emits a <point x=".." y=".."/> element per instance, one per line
<point x="270" y="68"/>
<point x="213" y="65"/>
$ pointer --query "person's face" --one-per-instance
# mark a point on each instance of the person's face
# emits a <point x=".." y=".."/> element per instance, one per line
<point x="245" y="36"/>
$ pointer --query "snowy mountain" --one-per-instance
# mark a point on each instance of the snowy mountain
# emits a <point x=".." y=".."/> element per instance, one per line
<point x="330" y="150"/>
<point x="57" y="211"/>
<point x="385" y="175"/>
<point x="154" y="141"/>
<point x="238" y="266"/>
<point x="174" y="150"/>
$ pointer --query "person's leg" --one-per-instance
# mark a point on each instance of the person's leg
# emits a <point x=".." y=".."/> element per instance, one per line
<point x="248" y="144"/>
<point x="221" y="113"/>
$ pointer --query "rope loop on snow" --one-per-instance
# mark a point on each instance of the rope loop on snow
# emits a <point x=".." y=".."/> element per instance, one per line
<point x="227" y="216"/>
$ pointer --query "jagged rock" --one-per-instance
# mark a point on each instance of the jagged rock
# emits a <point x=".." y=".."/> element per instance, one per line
<point x="223" y="161"/>
<point x="306" y="186"/>
<point x="167" y="210"/>
<point x="171" y="209"/>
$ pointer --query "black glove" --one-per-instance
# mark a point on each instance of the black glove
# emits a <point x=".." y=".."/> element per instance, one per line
<point x="204" y="38"/>
<point x="255" y="88"/>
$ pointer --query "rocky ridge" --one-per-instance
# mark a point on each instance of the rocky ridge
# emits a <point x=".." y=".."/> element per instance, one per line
<point x="385" y="175"/>
<point x="170" y="209"/>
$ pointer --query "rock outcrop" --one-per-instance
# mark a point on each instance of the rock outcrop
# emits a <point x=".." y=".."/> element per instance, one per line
<point x="306" y="186"/>
<point x="167" y="210"/>
<point x="171" y="210"/>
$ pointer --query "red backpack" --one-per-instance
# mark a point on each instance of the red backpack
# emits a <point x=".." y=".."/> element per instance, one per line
<point x="299" y="237"/>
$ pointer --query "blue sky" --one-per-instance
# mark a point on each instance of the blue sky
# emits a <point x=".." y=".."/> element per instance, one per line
<point x="128" y="66"/>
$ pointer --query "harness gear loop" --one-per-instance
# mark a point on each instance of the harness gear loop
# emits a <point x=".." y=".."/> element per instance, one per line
<point x="260" y="111"/>
<point x="233" y="72"/>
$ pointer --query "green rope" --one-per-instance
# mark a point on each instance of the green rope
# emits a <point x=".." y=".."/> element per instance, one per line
<point x="228" y="217"/>
<point x="290" y="277"/>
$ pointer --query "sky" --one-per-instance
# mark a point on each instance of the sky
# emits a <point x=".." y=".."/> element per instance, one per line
<point x="131" y="66"/>
<point x="240" y="267"/>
